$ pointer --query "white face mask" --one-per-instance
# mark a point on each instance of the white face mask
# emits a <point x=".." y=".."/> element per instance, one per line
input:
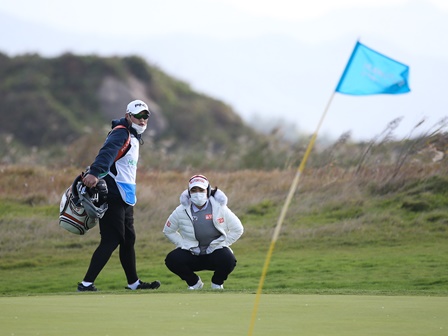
<point x="138" y="128"/>
<point x="199" y="198"/>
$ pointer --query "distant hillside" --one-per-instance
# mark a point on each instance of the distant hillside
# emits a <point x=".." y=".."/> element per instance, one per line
<point x="49" y="105"/>
<point x="80" y="92"/>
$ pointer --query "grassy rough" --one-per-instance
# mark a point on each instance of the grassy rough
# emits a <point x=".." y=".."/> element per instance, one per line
<point x="343" y="233"/>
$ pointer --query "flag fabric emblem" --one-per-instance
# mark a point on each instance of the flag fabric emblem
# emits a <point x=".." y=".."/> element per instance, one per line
<point x="368" y="72"/>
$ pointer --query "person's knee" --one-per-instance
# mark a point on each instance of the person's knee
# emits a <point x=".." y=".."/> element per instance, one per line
<point x="172" y="259"/>
<point x="230" y="264"/>
<point x="130" y="240"/>
<point x="108" y="244"/>
<point x="226" y="260"/>
<point x="168" y="260"/>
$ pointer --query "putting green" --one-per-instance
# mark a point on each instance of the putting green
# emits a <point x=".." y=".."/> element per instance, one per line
<point x="223" y="313"/>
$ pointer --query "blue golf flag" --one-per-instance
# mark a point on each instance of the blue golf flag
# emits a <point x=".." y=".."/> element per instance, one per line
<point x="368" y="72"/>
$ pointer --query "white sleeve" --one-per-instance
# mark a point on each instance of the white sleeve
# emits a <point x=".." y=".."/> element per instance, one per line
<point x="171" y="230"/>
<point x="234" y="226"/>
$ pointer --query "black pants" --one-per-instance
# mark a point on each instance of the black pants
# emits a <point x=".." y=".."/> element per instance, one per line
<point x="116" y="229"/>
<point x="184" y="264"/>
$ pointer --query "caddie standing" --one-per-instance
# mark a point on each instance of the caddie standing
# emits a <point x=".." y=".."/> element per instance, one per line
<point x="116" y="163"/>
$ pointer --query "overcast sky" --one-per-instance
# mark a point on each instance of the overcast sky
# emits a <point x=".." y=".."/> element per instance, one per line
<point x="206" y="17"/>
<point x="412" y="32"/>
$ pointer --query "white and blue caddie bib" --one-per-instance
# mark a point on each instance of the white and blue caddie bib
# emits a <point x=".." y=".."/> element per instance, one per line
<point x="127" y="173"/>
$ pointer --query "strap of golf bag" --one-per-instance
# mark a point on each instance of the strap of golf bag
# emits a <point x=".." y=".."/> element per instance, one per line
<point x="75" y="189"/>
<point x="127" y="145"/>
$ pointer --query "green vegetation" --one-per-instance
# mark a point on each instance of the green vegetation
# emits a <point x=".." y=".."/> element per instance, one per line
<point x="344" y="233"/>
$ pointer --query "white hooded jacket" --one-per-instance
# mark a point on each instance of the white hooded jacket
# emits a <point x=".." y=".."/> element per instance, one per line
<point x="179" y="227"/>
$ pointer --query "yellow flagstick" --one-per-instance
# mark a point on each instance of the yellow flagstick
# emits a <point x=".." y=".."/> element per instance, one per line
<point x="282" y="217"/>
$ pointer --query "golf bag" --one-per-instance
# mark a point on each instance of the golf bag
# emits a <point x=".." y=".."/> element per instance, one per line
<point x="82" y="207"/>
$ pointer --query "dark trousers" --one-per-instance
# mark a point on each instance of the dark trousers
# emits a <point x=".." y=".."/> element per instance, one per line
<point x="185" y="264"/>
<point x="116" y="229"/>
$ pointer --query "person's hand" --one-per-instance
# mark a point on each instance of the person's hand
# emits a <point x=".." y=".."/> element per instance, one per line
<point x="218" y="240"/>
<point x="89" y="180"/>
<point x="195" y="250"/>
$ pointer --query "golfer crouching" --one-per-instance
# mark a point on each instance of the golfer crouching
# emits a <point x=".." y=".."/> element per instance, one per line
<point x="202" y="227"/>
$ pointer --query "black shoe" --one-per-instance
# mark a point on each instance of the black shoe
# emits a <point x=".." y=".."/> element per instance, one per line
<point x="147" y="285"/>
<point x="82" y="288"/>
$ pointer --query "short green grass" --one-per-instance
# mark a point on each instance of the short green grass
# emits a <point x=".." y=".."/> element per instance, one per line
<point x="204" y="313"/>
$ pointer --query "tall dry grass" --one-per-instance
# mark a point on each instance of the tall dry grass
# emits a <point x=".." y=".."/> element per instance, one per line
<point x="161" y="189"/>
<point x="35" y="192"/>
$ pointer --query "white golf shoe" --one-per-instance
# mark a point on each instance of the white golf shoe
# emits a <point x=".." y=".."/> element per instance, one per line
<point x="197" y="286"/>
<point x="215" y="286"/>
